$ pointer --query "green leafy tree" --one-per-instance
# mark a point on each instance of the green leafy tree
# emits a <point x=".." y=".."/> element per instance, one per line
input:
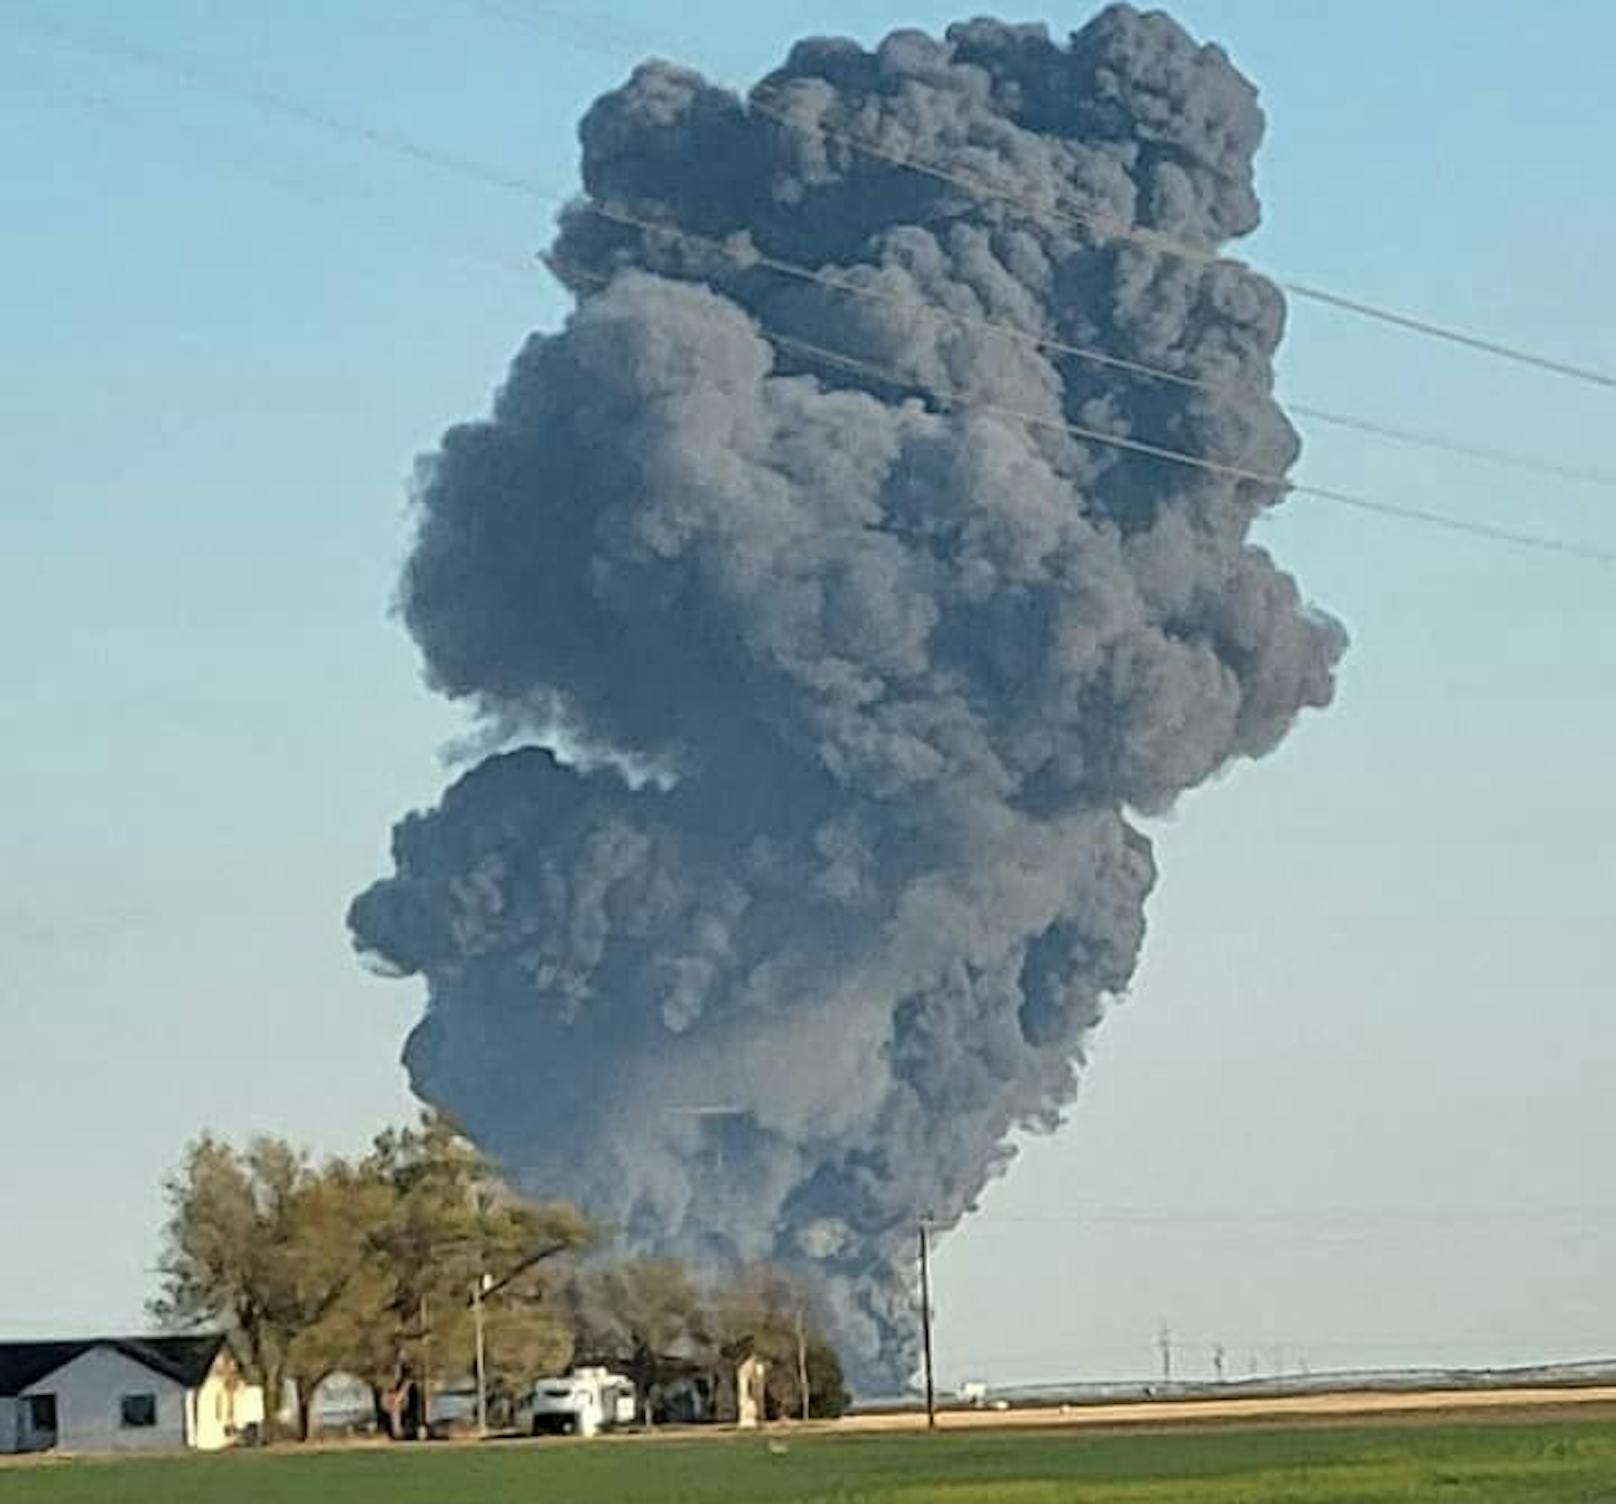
<point x="365" y="1269"/>
<point x="527" y="1338"/>
<point x="343" y="1214"/>
<point x="249" y="1246"/>
<point x="453" y="1226"/>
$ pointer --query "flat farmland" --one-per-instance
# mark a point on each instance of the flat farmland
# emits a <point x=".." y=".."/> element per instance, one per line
<point x="1569" y="1456"/>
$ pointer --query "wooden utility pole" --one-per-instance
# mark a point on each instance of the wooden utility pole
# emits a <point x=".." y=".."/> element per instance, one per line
<point x="477" y="1289"/>
<point x="925" y="1321"/>
<point x="802" y="1362"/>
<point x="426" y="1374"/>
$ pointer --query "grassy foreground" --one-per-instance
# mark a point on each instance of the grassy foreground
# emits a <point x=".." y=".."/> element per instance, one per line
<point x="1489" y="1463"/>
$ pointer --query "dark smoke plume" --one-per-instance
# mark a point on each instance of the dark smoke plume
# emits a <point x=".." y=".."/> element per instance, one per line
<point x="852" y="691"/>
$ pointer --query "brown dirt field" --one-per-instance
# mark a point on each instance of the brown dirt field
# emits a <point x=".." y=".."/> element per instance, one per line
<point x="1595" y="1402"/>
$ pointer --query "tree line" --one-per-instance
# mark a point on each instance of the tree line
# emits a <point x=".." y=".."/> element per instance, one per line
<point x="376" y="1268"/>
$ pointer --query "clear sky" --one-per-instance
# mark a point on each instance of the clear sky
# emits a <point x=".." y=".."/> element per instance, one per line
<point x="1356" y="1110"/>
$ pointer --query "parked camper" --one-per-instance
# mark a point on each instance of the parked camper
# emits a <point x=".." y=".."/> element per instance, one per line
<point x="584" y="1402"/>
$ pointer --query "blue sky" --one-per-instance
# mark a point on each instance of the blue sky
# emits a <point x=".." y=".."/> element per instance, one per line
<point x="1355" y="1110"/>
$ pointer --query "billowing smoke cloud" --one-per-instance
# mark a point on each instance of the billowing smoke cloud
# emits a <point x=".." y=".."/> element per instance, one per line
<point x="903" y="668"/>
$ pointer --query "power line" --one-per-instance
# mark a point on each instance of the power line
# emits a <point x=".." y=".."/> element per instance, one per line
<point x="301" y="185"/>
<point x="1438" y="442"/>
<point x="1444" y="332"/>
<point x="276" y="102"/>
<point x="454" y="163"/>
<point x="748" y="256"/>
<point x="1121" y="229"/>
<point x="1116" y="1364"/>
<point x="1355" y="1217"/>
<point x="891" y="377"/>
<point x="1301" y="1348"/>
<point x="1541" y="541"/>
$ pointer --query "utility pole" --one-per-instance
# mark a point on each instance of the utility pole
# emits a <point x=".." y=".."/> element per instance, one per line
<point x="426" y="1375"/>
<point x="1164" y="1342"/>
<point x="802" y="1362"/>
<point x="477" y="1291"/>
<point x="925" y="1321"/>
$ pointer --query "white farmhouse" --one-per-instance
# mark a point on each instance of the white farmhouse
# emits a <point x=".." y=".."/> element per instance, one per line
<point x="124" y="1394"/>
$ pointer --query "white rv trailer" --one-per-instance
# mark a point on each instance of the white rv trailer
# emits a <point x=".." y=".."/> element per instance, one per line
<point x="583" y="1403"/>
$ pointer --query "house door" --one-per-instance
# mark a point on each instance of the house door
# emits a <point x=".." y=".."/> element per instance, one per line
<point x="39" y="1424"/>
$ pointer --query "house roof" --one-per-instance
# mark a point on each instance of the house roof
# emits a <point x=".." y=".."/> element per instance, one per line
<point x="185" y="1360"/>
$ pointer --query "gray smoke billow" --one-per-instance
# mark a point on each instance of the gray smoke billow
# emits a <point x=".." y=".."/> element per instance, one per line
<point x="853" y="693"/>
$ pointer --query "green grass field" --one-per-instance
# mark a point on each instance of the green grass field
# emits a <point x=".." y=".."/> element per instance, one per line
<point x="1491" y="1463"/>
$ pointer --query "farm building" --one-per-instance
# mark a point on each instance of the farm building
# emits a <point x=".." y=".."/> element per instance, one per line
<point x="123" y="1394"/>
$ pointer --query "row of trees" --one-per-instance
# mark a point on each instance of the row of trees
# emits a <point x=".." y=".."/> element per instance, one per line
<point x="376" y="1268"/>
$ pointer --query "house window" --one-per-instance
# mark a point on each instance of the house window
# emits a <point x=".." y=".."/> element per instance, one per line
<point x="41" y="1414"/>
<point x="138" y="1411"/>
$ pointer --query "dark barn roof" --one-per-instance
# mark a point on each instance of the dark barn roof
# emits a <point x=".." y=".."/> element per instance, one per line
<point x="185" y="1360"/>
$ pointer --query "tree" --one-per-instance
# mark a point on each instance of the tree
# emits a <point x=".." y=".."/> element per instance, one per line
<point x="647" y="1318"/>
<point x="340" y="1258"/>
<point x="527" y="1337"/>
<point x="828" y="1396"/>
<point x="453" y="1225"/>
<point x="366" y="1269"/>
<point x="251" y="1245"/>
<point x="764" y="1312"/>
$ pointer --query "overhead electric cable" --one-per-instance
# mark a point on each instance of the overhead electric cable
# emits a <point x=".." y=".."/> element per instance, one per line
<point x="279" y="103"/>
<point x="1108" y="224"/>
<point x="454" y="163"/>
